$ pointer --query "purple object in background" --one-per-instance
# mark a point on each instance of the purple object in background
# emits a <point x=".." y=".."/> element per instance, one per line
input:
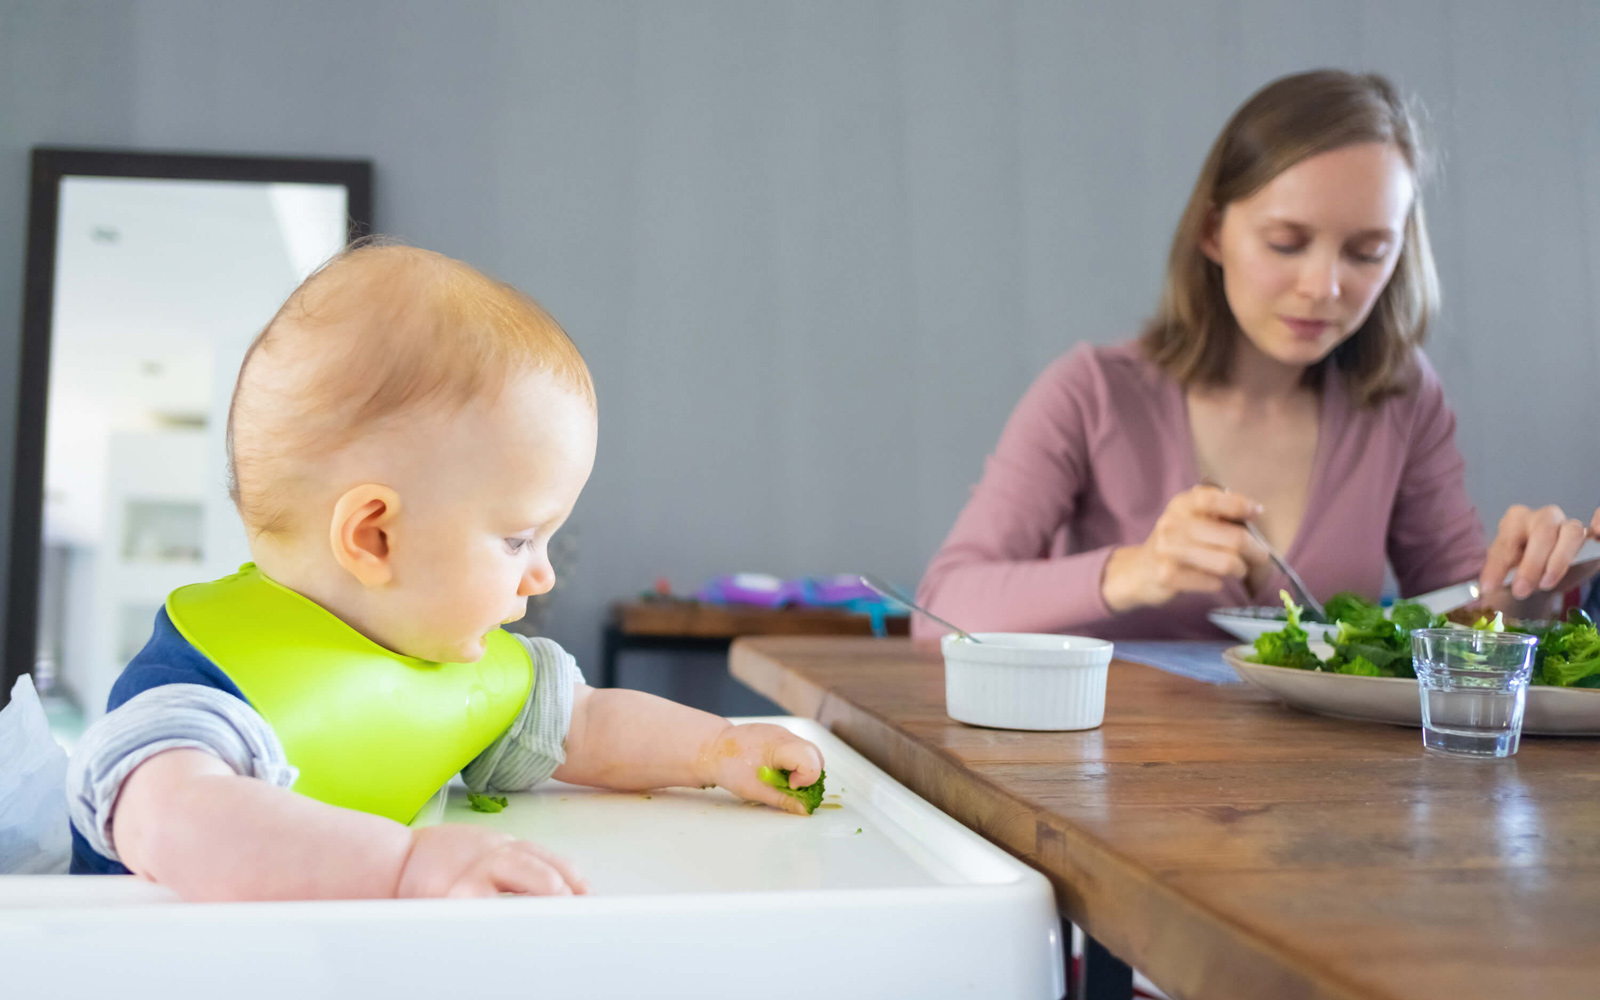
<point x="760" y="589"/>
<point x="844" y="591"/>
<point x="845" y="588"/>
<point x="767" y="591"/>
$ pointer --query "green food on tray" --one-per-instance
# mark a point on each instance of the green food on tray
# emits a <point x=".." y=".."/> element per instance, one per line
<point x="486" y="803"/>
<point x="1370" y="643"/>
<point x="809" y="796"/>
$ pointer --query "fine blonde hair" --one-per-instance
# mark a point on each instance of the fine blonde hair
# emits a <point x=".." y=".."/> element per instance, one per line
<point x="1193" y="333"/>
<point x="378" y="331"/>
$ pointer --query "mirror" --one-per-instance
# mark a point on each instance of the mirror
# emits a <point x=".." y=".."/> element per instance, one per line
<point x="147" y="277"/>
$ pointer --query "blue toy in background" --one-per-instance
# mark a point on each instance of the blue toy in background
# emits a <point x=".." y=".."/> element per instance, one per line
<point x="844" y="591"/>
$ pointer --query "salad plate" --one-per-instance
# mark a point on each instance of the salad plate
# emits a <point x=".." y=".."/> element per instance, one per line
<point x="1549" y="711"/>
<point x="1247" y="624"/>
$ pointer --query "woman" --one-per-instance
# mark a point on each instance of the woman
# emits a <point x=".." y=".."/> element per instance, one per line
<point x="1283" y="362"/>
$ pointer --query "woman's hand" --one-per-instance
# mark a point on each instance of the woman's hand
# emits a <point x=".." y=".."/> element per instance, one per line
<point x="1197" y="544"/>
<point x="1538" y="544"/>
<point x="738" y="752"/>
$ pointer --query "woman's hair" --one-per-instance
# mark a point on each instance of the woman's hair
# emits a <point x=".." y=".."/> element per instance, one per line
<point x="378" y="333"/>
<point x="1193" y="333"/>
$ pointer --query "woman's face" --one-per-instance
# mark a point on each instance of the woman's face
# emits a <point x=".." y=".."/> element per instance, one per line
<point x="1304" y="258"/>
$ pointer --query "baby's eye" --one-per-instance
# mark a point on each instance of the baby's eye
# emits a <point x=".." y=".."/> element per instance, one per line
<point x="515" y="545"/>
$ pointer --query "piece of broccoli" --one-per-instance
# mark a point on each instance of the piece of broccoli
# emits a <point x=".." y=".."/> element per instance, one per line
<point x="1570" y="654"/>
<point x="486" y="803"/>
<point x="809" y="796"/>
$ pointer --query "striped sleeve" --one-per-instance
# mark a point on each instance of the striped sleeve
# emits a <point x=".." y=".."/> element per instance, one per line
<point x="536" y="744"/>
<point x="169" y="717"/>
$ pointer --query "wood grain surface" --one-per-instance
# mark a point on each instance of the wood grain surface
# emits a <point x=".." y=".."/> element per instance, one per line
<point x="1231" y="847"/>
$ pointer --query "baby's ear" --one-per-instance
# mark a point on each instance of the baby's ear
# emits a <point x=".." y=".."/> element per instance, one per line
<point x="359" y="534"/>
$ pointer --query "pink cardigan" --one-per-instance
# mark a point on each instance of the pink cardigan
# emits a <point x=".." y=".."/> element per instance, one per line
<point x="1101" y="442"/>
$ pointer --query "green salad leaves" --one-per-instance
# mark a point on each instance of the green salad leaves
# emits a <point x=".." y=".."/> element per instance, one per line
<point x="1370" y="643"/>
<point x="1289" y="646"/>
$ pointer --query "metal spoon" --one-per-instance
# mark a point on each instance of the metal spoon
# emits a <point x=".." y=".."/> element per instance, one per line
<point x="887" y="591"/>
<point x="1302" y="593"/>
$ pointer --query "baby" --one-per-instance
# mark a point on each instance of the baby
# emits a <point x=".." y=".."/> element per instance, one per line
<point x="405" y="437"/>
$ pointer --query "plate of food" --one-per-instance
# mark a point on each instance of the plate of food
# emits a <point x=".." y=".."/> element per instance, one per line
<point x="1364" y="671"/>
<point x="1250" y="624"/>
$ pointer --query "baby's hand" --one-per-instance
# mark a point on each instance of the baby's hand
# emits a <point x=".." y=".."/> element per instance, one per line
<point x="458" y="860"/>
<point x="733" y="758"/>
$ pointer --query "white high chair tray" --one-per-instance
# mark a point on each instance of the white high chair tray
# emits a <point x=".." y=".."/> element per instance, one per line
<point x="695" y="894"/>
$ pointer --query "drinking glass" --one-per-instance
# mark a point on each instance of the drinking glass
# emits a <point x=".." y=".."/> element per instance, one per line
<point x="1473" y="685"/>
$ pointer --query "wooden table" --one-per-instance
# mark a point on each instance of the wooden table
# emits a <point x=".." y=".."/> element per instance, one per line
<point x="676" y="625"/>
<point x="1230" y="847"/>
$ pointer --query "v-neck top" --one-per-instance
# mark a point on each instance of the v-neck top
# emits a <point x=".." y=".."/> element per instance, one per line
<point x="1101" y="443"/>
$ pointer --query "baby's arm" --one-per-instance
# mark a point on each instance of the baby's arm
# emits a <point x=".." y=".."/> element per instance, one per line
<point x="631" y="740"/>
<point x="188" y="786"/>
<point x="184" y="819"/>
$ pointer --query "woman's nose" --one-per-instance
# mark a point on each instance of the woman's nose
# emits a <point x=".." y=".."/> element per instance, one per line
<point x="1319" y="279"/>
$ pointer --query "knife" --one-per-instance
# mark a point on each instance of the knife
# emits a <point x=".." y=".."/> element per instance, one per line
<point x="1585" y="564"/>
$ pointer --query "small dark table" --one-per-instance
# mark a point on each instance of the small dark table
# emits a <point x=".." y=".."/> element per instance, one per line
<point x="673" y="625"/>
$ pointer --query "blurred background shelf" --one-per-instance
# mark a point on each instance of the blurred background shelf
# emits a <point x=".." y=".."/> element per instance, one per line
<point x="675" y="627"/>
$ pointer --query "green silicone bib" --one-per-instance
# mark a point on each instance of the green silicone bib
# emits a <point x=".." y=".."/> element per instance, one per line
<point x="368" y="728"/>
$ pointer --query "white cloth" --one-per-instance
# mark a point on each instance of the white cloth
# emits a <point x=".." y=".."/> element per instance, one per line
<point x="34" y="839"/>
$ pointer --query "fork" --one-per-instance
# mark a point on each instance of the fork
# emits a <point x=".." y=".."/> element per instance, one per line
<point x="1302" y="593"/>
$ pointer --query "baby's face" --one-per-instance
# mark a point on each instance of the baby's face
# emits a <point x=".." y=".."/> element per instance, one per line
<point x="471" y="544"/>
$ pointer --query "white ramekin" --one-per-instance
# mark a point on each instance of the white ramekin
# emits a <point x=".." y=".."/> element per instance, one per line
<point x="1019" y="680"/>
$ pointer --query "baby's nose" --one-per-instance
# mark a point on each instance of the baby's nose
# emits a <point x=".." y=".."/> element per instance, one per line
<point x="537" y="580"/>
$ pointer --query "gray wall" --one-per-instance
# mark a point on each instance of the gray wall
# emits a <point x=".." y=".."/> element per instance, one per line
<point x="815" y="251"/>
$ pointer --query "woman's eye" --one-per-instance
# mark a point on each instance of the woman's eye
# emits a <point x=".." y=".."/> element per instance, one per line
<point x="1369" y="257"/>
<point x="516" y="544"/>
<point x="1287" y="249"/>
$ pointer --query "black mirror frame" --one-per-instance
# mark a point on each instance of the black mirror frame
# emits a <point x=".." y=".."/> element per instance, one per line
<point x="49" y="166"/>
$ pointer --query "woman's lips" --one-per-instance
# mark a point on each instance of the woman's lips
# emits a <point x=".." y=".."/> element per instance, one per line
<point x="1306" y="329"/>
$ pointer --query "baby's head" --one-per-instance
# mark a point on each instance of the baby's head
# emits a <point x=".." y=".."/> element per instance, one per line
<point x="405" y="436"/>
